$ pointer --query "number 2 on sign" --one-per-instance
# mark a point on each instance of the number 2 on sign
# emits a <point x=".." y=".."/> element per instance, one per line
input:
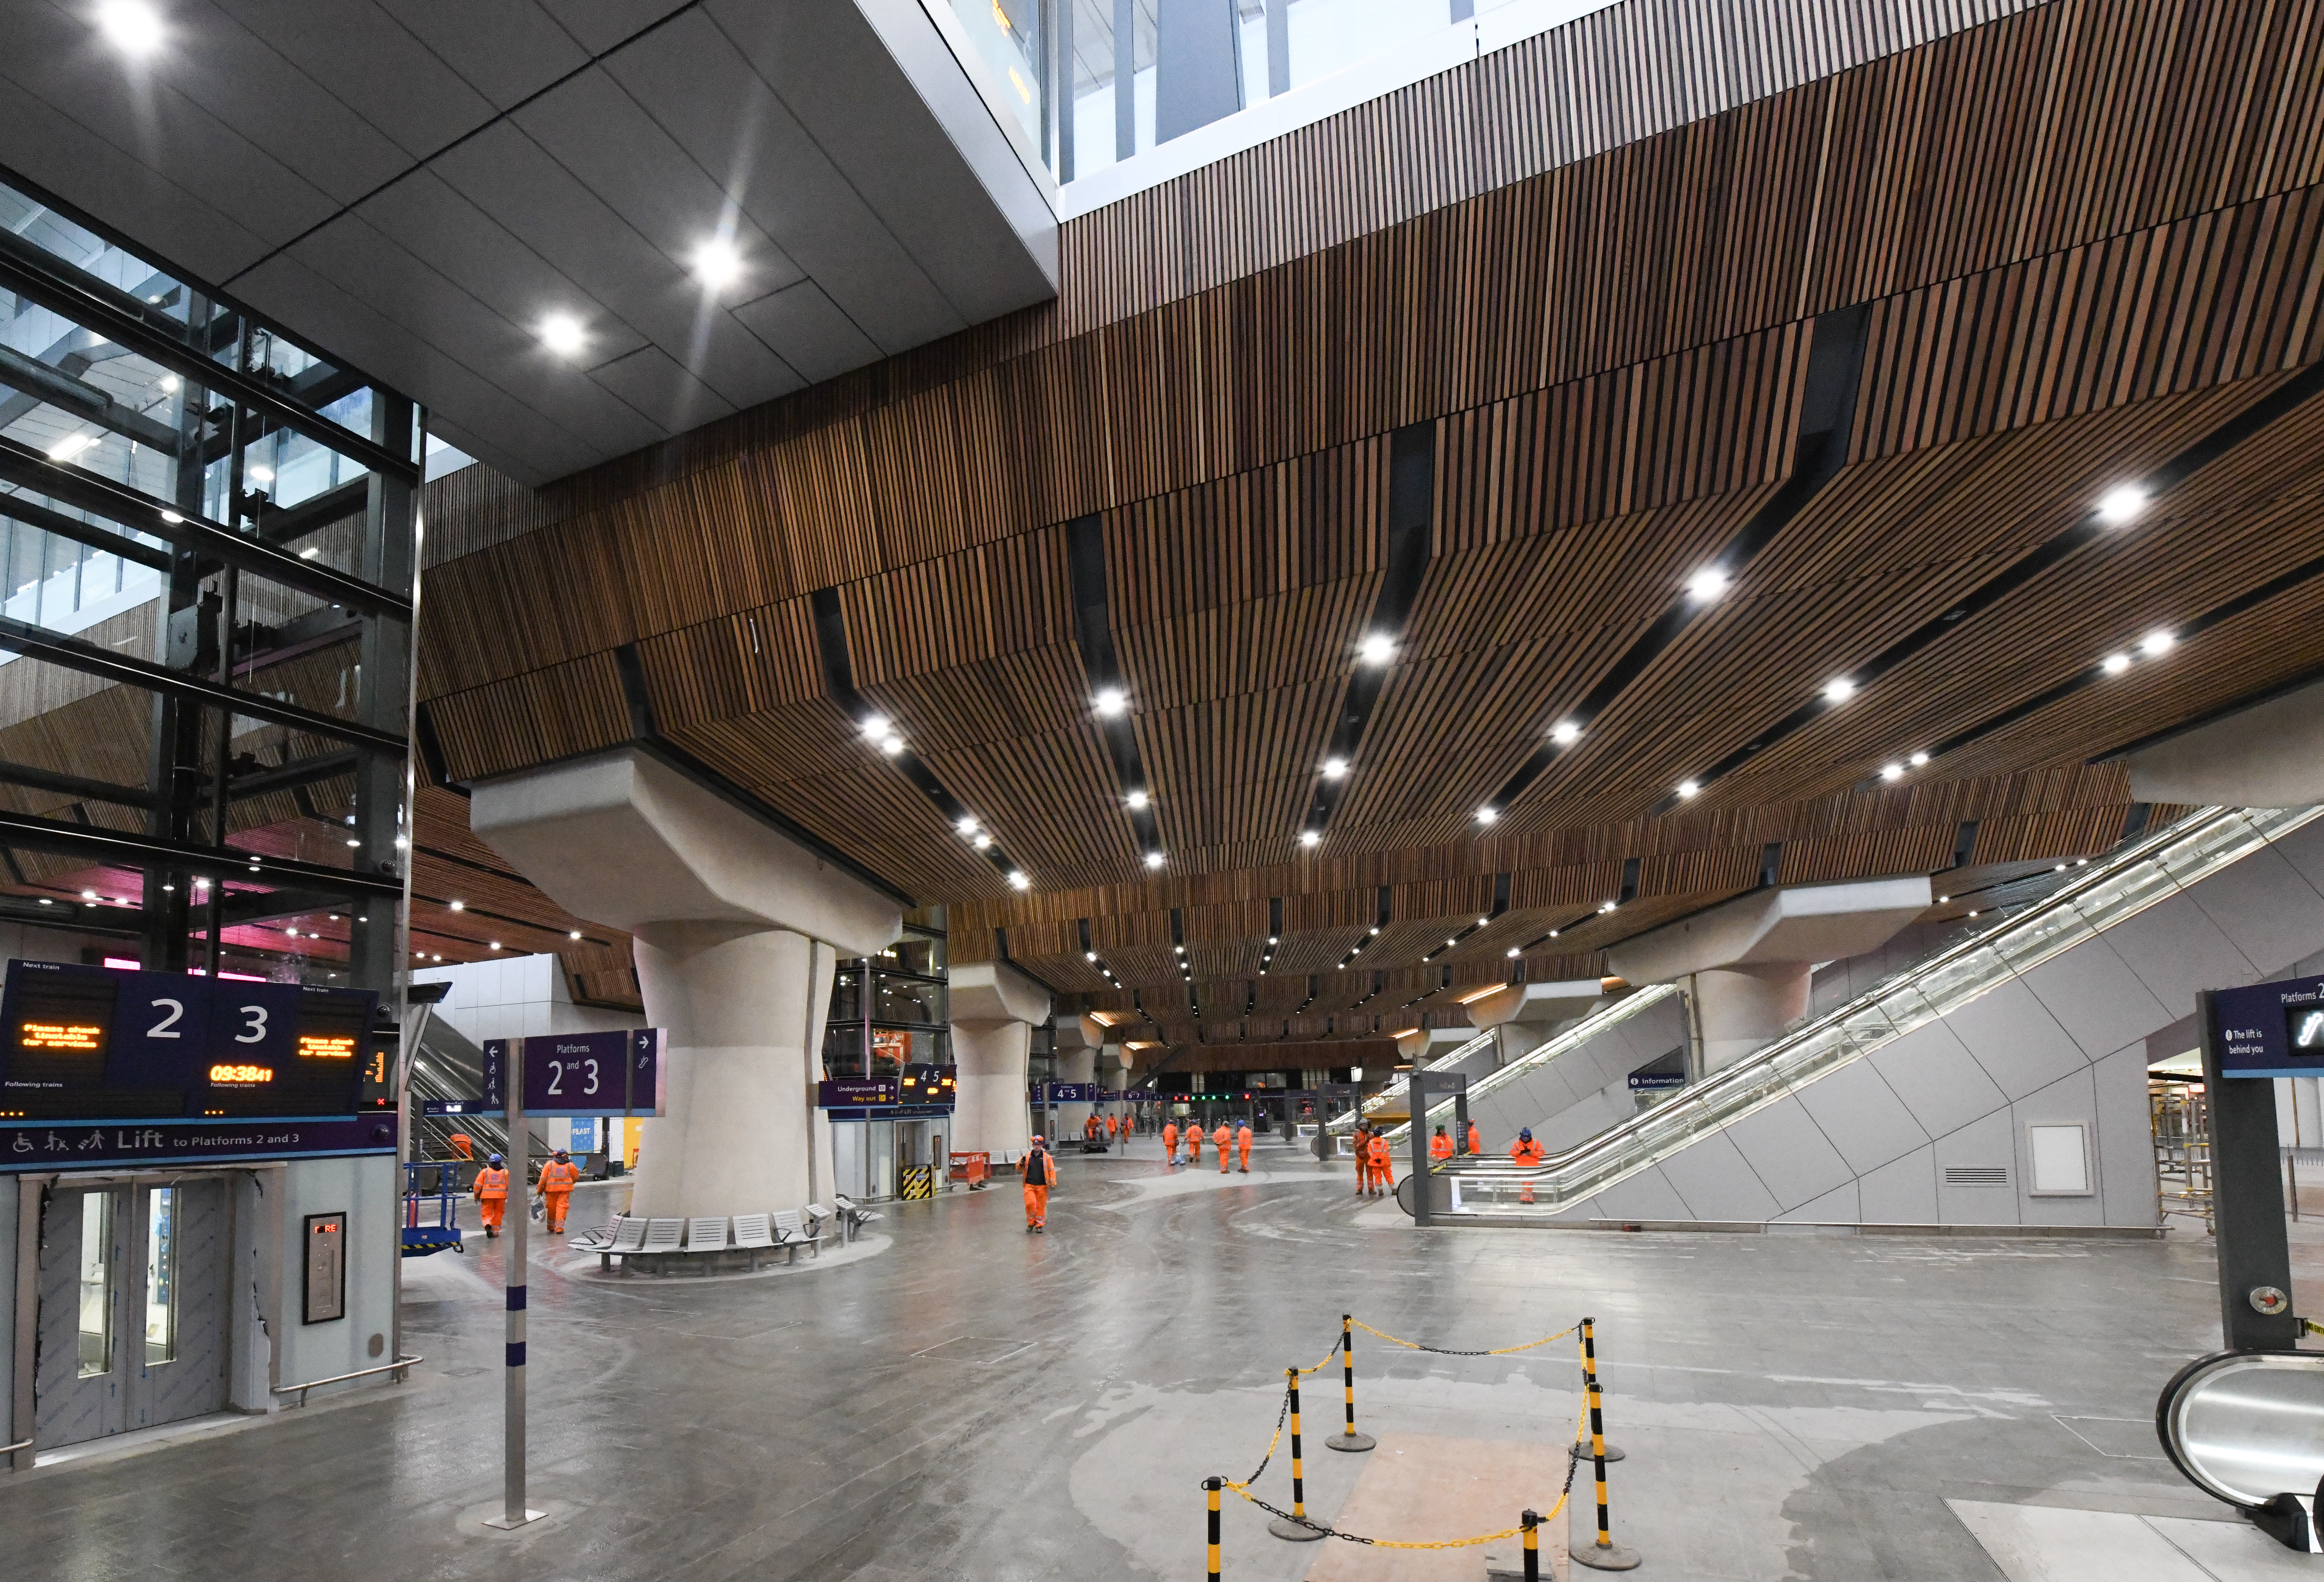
<point x="162" y="1029"/>
<point x="556" y="1069"/>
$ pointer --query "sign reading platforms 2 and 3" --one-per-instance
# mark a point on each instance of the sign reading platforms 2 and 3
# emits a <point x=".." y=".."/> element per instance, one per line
<point x="616" y="1073"/>
<point x="101" y="1065"/>
<point x="2271" y="1030"/>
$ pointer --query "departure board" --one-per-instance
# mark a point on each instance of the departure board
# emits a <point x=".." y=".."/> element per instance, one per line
<point x="101" y="1043"/>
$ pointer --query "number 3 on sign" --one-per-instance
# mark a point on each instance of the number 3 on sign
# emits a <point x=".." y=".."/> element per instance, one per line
<point x="256" y="1025"/>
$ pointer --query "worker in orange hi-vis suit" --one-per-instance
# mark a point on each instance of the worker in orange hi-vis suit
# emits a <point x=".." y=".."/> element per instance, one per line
<point x="492" y="1194"/>
<point x="1362" y="1144"/>
<point x="1170" y="1140"/>
<point x="464" y="1145"/>
<point x="1440" y="1147"/>
<point x="1475" y="1141"/>
<point x="1242" y="1147"/>
<point x="1110" y="1131"/>
<point x="1194" y="1143"/>
<point x="1524" y="1149"/>
<point x="1224" y="1138"/>
<point x="1383" y="1171"/>
<point x="1040" y="1173"/>
<point x="556" y="1179"/>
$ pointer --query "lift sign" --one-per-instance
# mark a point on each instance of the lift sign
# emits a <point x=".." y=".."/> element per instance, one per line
<point x="2270" y="1030"/>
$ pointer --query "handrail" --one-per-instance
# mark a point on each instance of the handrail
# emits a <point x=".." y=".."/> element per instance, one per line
<point x="400" y="1364"/>
<point x="2154" y="869"/>
<point x="19" y="1445"/>
<point x="1347" y="1123"/>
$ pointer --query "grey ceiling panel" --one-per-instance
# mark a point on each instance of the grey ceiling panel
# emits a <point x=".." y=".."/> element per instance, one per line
<point x="507" y="50"/>
<point x="69" y="159"/>
<point x="497" y="428"/>
<point x="650" y="381"/>
<point x="840" y="80"/>
<point x="702" y="93"/>
<point x="812" y="334"/>
<point x="367" y="263"/>
<point x="375" y="66"/>
<point x="451" y="235"/>
<point x="600" y="24"/>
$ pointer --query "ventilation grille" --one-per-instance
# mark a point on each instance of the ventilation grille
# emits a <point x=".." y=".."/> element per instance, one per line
<point x="1977" y="1175"/>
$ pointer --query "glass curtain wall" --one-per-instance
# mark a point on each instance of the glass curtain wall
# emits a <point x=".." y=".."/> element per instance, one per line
<point x="890" y="1011"/>
<point x="207" y="528"/>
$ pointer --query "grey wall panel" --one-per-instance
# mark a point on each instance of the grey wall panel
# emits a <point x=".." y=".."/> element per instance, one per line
<point x="1986" y="1143"/>
<point x="507" y="50"/>
<point x="649" y="380"/>
<point x="2176" y="949"/>
<point x="808" y="331"/>
<point x="1939" y="1080"/>
<point x="2303" y="848"/>
<point x="2097" y="1001"/>
<point x="360" y="53"/>
<point x="1648" y="1195"/>
<point x="1862" y="1116"/>
<point x="1197" y="78"/>
<point x="1716" y="1182"/>
<point x="1789" y="1154"/>
<point x="598" y="26"/>
<point x="2125" y="1138"/>
<point x="2016" y="1035"/>
<point x="2266" y="908"/>
<point x="1903" y="1192"/>
<point x="1843" y="1205"/>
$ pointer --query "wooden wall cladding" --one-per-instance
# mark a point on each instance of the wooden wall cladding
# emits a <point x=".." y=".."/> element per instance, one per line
<point x="2088" y="228"/>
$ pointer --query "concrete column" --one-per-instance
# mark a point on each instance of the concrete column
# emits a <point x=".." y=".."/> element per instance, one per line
<point x="1524" y="1016"/>
<point x="1076" y="1062"/>
<point x="1740" y="1009"/>
<point x="737" y="932"/>
<point x="994" y="1010"/>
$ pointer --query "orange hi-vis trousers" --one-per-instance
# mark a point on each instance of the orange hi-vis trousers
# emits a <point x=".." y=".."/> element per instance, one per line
<point x="1037" y="1205"/>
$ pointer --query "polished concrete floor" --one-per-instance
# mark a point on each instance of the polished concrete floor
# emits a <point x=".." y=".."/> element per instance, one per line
<point x="970" y="1401"/>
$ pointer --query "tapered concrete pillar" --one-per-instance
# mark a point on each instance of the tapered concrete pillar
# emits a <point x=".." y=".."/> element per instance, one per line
<point x="1522" y="1017"/>
<point x="737" y="929"/>
<point x="1749" y="959"/>
<point x="1076" y="1062"/>
<point x="994" y="1010"/>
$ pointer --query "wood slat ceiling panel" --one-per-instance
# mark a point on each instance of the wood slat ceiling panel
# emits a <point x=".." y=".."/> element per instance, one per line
<point x="885" y="822"/>
<point x="1235" y="771"/>
<point x="1255" y="646"/>
<point x="697" y="548"/>
<point x="983" y="602"/>
<point x="533" y="718"/>
<point x="735" y="664"/>
<point x="1040" y="784"/>
<point x="1015" y="697"/>
<point x="522" y="606"/>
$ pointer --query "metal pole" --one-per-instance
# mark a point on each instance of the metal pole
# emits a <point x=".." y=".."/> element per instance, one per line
<point x="1210" y="1486"/>
<point x="1604" y="1554"/>
<point x="1296" y="1526"/>
<point x="1417" y="1090"/>
<point x="1348" y="1438"/>
<point x="513" y="1513"/>
<point x="2255" y="1255"/>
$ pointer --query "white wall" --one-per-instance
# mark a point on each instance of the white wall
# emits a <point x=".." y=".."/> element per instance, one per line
<point x="363" y="1188"/>
<point x="518" y="996"/>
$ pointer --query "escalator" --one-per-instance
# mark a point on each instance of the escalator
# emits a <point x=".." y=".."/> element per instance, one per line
<point x="444" y="1065"/>
<point x="2159" y="868"/>
<point x="2247" y="1429"/>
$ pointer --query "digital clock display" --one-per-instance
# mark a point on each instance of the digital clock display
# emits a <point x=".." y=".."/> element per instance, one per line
<point x="240" y="1076"/>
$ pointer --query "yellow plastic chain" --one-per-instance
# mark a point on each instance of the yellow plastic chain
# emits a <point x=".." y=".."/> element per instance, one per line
<point x="1441" y="1351"/>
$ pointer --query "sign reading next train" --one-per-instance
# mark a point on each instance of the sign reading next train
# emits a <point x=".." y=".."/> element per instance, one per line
<point x="91" y="1043"/>
<point x="2271" y="1030"/>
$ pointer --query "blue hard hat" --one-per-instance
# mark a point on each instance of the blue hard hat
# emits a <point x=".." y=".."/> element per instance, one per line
<point x="1524" y="1133"/>
<point x="495" y="1159"/>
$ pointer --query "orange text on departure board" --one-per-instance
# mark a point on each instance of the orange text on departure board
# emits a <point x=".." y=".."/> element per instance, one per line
<point x="77" y="1036"/>
<point x="327" y="1046"/>
<point x="242" y="1073"/>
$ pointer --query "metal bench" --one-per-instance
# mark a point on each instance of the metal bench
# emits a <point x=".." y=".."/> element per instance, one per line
<point x="598" y="1240"/>
<point x="754" y="1234"/>
<point x="853" y="1216"/>
<point x="792" y="1235"/>
<point x="706" y="1233"/>
<point x="664" y="1236"/>
<point x="629" y="1236"/>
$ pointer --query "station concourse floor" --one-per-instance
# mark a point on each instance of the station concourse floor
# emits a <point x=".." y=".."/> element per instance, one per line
<point x="970" y="1401"/>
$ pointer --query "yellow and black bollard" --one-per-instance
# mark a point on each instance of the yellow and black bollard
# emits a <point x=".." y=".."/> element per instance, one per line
<point x="1603" y="1554"/>
<point x="1590" y="1381"/>
<point x="1212" y="1486"/>
<point x="1296" y="1526"/>
<point x="1348" y="1438"/>
<point x="1531" y="1522"/>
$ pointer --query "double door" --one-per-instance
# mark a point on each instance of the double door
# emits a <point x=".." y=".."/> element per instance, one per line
<point x="133" y="1323"/>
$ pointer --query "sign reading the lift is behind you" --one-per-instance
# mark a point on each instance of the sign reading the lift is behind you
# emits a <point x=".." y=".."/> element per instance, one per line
<point x="2271" y="1030"/>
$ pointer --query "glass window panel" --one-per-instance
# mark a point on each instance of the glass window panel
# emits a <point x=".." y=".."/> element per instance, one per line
<point x="161" y="1276"/>
<point x="95" y="1284"/>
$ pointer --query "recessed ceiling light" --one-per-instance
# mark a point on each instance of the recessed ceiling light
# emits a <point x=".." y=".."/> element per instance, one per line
<point x="2157" y="642"/>
<point x="1972" y="913"/>
<point x="1943" y="898"/>
<point x="562" y="334"/>
<point x="1687" y="788"/>
<point x="1892" y="772"/>
<point x="1514" y="953"/>
<point x="891" y="746"/>
<point x="1111" y="702"/>
<point x="496" y="944"/>
<point x="172" y="517"/>
<point x="1376" y="648"/>
<point x="2113" y="664"/>
<point x="258" y="475"/>
<point x="1154" y="859"/>
<point x="1565" y="733"/>
<point x="966" y="827"/>
<point x="1610" y="906"/>
<point x="71" y="446"/>
<point x="1335" y="768"/>
<point x="168" y="381"/>
<point x="89" y="895"/>
<point x="1486" y="814"/>
<point x="311" y="552"/>
<point x="1270" y="938"/>
<point x="1553" y="933"/>
<point x="1311" y="837"/>
<point x="1706" y="585"/>
<point x="1089" y="955"/>
<point x="1375" y="930"/>
<point x="1138" y="800"/>
<point x="2122" y="503"/>
<point x="134" y="27"/>
<point x="980" y="840"/>
<point x="354" y="843"/>
<point x="459" y="906"/>
<point x="1483" y="921"/>
<point x="574" y="935"/>
<point x="1917" y="760"/>
<point x="1017" y="881"/>
<point x="1839" y="689"/>
<point x="718" y="264"/>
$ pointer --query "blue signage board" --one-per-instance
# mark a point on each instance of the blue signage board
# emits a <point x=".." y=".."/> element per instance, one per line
<point x="848" y="1093"/>
<point x="581" y="1074"/>
<point x="1657" y="1081"/>
<point x="89" y="1044"/>
<point x="1065" y="1092"/>
<point x="2270" y="1030"/>
<point x="81" y="1145"/>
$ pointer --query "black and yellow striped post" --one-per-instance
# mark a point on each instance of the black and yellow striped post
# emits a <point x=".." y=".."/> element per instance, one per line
<point x="1601" y="1554"/>
<point x="1348" y="1438"/>
<point x="1296" y="1526"/>
<point x="1590" y="1383"/>
<point x="1212" y="1486"/>
<point x="1531" y="1522"/>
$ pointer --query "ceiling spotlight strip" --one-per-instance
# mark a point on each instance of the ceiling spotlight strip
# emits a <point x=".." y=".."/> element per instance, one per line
<point x="1411" y="514"/>
<point x="1827" y="415"/>
<point x="2113" y="509"/>
<point x="1110" y="701"/>
<point x="645" y="734"/>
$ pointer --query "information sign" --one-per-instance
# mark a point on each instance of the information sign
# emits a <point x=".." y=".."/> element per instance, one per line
<point x="930" y="1085"/>
<point x="852" y="1093"/>
<point x="88" y="1044"/>
<point x="2271" y="1030"/>
<point x="580" y="1074"/>
<point x="1657" y="1081"/>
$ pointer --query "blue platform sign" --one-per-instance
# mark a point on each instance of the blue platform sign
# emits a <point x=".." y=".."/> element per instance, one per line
<point x="581" y="1074"/>
<point x="2270" y="1030"/>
